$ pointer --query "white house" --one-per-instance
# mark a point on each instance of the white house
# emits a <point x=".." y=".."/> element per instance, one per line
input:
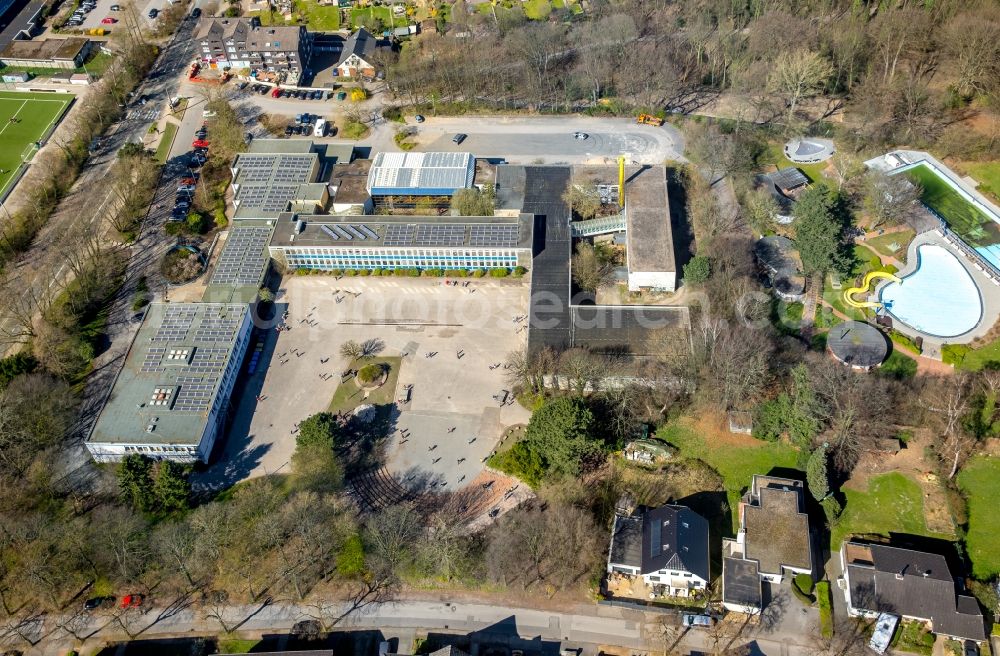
<point x="666" y="546"/>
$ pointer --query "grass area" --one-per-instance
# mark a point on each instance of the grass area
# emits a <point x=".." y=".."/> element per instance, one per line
<point x="903" y="341"/>
<point x="825" y="609"/>
<point x="971" y="359"/>
<point x="883" y="243"/>
<point x="35" y="113"/>
<point x="987" y="174"/>
<point x="537" y="9"/>
<point x="352" y="130"/>
<point x="318" y="18"/>
<point x="533" y="9"/>
<point x="96" y="65"/>
<point x="913" y="638"/>
<point x="970" y="223"/>
<point x="236" y="646"/>
<point x="893" y="502"/>
<point x="349" y="396"/>
<point x="361" y="15"/>
<point x="787" y="317"/>
<point x="776" y="155"/>
<point x="736" y="465"/>
<point x="898" y="366"/>
<point x="980" y="483"/>
<point x="166" y="141"/>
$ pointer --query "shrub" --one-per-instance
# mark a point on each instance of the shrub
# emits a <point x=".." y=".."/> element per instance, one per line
<point x="370" y="373"/>
<point x="458" y="273"/>
<point x="518" y="271"/>
<point x="478" y="273"/>
<point x="806" y="600"/>
<point x="433" y="273"/>
<point x="825" y="609"/>
<point x="350" y="272"/>
<point x="174" y="228"/>
<point x="804" y="582"/>
<point x="364" y="272"/>
<point x="393" y="113"/>
<point x="336" y="272"/>
<point x="499" y="272"/>
<point x="351" y="557"/>
<point x="522" y="461"/>
<point x="698" y="270"/>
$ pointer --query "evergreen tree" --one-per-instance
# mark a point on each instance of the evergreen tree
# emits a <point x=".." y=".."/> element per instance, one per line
<point x="816" y="474"/>
<point x="818" y="232"/>
<point x="171" y="488"/>
<point x="135" y="481"/>
<point x="562" y="432"/>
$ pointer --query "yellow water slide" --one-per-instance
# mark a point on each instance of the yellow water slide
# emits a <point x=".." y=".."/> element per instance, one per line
<point x="871" y="275"/>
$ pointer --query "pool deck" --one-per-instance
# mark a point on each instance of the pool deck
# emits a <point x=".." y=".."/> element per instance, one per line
<point x="989" y="293"/>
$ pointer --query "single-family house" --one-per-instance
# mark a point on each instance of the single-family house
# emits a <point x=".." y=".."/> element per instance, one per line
<point x="357" y="57"/>
<point x="773" y="541"/>
<point x="666" y="546"/>
<point x="916" y="585"/>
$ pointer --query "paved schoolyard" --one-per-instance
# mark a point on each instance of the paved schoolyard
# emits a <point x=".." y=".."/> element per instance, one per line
<point x="412" y="317"/>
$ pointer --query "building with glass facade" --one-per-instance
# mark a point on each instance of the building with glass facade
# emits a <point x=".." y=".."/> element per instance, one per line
<point x="328" y="242"/>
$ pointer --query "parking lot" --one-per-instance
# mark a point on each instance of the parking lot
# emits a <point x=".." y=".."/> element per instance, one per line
<point x="453" y="420"/>
<point x="101" y="11"/>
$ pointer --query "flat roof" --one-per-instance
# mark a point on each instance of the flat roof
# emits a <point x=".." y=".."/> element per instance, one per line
<point x="51" y="49"/>
<point x="378" y="231"/>
<point x="241" y="267"/>
<point x="639" y="330"/>
<point x="349" y="181"/>
<point x="265" y="182"/>
<point x="741" y="582"/>
<point x="650" y="241"/>
<point x="281" y="146"/>
<point x="411" y="172"/>
<point x="777" y="532"/>
<point x="171" y="374"/>
<point x="22" y="22"/>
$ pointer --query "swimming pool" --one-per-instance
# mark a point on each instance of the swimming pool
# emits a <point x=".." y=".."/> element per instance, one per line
<point x="940" y="298"/>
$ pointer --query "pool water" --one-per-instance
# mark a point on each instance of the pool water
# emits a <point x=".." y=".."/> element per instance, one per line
<point x="940" y="298"/>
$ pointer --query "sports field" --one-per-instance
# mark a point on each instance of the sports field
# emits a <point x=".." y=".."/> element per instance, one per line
<point x="34" y="116"/>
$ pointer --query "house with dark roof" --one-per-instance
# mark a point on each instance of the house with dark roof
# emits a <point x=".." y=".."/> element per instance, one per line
<point x="773" y="541"/>
<point x="916" y="585"/>
<point x="666" y="546"/>
<point x="357" y="57"/>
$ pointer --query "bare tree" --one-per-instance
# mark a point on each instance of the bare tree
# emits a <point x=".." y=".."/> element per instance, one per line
<point x="948" y="398"/>
<point x="799" y="74"/>
<point x="889" y="199"/>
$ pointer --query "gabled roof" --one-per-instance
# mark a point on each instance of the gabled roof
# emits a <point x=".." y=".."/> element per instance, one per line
<point x="362" y="43"/>
<point x="674" y="537"/>
<point x="912" y="583"/>
<point x="788" y="178"/>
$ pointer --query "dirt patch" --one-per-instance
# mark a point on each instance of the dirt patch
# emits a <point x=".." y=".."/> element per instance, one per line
<point x="714" y="427"/>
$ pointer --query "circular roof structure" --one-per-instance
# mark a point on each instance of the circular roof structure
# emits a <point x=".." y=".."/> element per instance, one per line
<point x="857" y="344"/>
<point x="809" y="150"/>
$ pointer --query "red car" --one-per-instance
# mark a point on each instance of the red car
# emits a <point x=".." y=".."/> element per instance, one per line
<point x="188" y="181"/>
<point x="109" y="21"/>
<point x="276" y="92"/>
<point x="132" y="600"/>
<point x="199" y="143"/>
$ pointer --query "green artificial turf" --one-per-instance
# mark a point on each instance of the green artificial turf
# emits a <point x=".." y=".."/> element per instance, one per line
<point x="36" y="114"/>
<point x="972" y="225"/>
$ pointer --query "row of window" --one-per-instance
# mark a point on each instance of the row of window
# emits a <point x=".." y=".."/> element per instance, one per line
<point x="375" y="263"/>
<point x="397" y="252"/>
<point x="159" y="449"/>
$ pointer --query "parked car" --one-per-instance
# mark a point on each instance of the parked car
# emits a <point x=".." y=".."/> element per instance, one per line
<point x="580" y="135"/>
<point x="97" y="602"/>
<point x="132" y="601"/>
<point x="109" y="21"/>
<point x="263" y="89"/>
<point x="691" y="619"/>
<point x="419" y="118"/>
<point x="115" y="7"/>
<point x="288" y="130"/>
<point x="970" y="648"/>
<point x="460" y="137"/>
<point x="188" y="187"/>
<point x="196" y="12"/>
<point x="276" y="92"/>
<point x="153" y="13"/>
<point x="199" y="143"/>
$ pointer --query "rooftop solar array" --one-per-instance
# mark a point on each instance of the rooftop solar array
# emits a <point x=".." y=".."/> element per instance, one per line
<point x="427" y="234"/>
<point x="268" y="181"/>
<point x="413" y="171"/>
<point x="244" y="257"/>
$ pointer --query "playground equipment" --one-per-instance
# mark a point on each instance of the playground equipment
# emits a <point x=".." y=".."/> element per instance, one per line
<point x="871" y="275"/>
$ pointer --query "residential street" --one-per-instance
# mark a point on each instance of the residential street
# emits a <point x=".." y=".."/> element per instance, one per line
<point x="590" y="627"/>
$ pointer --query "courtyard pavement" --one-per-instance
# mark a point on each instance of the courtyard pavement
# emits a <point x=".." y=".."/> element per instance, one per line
<point x="453" y="420"/>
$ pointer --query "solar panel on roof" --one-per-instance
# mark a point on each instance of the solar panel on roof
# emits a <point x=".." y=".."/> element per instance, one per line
<point x="335" y="234"/>
<point x="354" y="233"/>
<point x="371" y="234"/>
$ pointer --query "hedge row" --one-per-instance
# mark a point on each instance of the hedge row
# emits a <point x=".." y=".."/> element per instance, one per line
<point x="500" y="272"/>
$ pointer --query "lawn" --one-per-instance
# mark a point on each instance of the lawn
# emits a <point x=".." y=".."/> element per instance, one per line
<point x="976" y="359"/>
<point x="980" y="483"/>
<point x="967" y="221"/>
<point x="914" y="638"/>
<point x="318" y="18"/>
<point x="361" y="15"/>
<point x="167" y="140"/>
<point x="349" y="396"/>
<point x="533" y="9"/>
<point x="776" y="155"/>
<point x="898" y="366"/>
<point x="883" y="244"/>
<point x="36" y="114"/>
<point x="893" y="503"/>
<point x="987" y="174"/>
<point x="736" y="464"/>
<point x="236" y="645"/>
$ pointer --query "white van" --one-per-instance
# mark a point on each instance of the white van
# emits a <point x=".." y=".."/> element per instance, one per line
<point x="320" y="129"/>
